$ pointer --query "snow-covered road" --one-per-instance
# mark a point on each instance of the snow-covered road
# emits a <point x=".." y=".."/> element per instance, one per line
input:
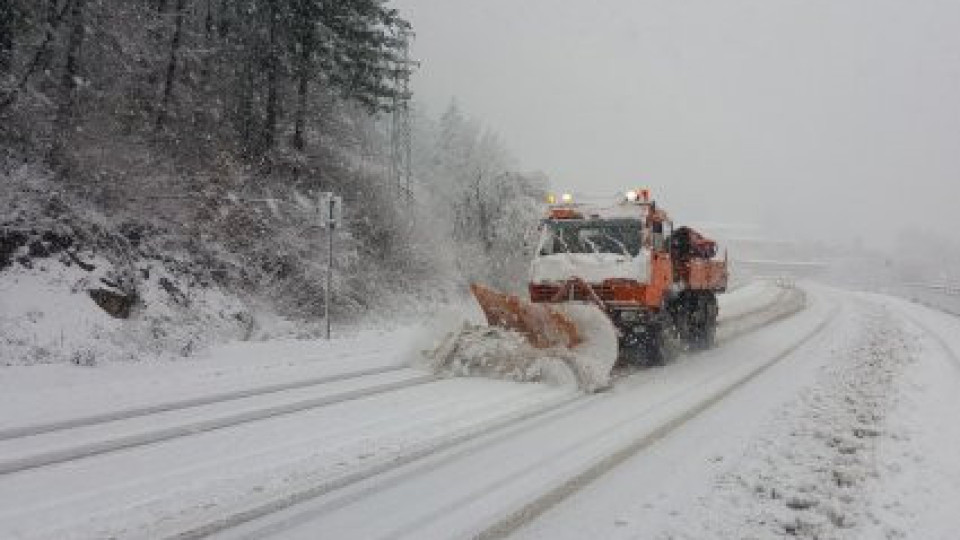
<point x="340" y="441"/>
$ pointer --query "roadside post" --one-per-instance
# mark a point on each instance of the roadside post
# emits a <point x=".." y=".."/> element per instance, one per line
<point x="331" y="219"/>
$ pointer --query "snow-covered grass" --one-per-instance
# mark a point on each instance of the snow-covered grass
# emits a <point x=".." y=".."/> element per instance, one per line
<point x="46" y="316"/>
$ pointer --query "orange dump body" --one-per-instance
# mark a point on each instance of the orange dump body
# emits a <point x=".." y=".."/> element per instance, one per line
<point x="702" y="274"/>
<point x="694" y="265"/>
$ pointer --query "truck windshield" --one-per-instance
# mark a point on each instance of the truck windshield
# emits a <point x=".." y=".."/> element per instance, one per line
<point x="590" y="237"/>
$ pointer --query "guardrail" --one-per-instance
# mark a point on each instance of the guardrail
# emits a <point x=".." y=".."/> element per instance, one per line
<point x="941" y="296"/>
<point x="949" y="289"/>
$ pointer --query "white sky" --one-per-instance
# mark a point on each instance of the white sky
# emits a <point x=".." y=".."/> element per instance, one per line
<point x="834" y="117"/>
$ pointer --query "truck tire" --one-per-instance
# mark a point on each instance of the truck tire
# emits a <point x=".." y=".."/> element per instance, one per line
<point x="658" y="349"/>
<point x="706" y="328"/>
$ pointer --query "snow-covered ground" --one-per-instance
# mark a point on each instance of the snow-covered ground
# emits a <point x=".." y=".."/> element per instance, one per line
<point x="47" y="315"/>
<point x="834" y="421"/>
<point x="52" y="393"/>
<point x="853" y="436"/>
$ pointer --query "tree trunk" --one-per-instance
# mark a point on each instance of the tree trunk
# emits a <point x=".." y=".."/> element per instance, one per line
<point x="55" y="15"/>
<point x="223" y="27"/>
<point x="172" y="64"/>
<point x="273" y="81"/>
<point x="8" y="12"/>
<point x="483" y="218"/>
<point x="248" y="127"/>
<point x="208" y="24"/>
<point x="303" y="90"/>
<point x="41" y="59"/>
<point x="66" y="117"/>
<point x="70" y="81"/>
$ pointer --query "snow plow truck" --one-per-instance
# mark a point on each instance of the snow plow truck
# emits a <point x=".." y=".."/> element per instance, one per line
<point x="656" y="284"/>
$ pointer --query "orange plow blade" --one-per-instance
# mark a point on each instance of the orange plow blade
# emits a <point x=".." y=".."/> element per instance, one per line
<point x="543" y="327"/>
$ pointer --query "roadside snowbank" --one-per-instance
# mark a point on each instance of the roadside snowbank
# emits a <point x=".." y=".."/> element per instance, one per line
<point x="810" y="472"/>
<point x="918" y="484"/>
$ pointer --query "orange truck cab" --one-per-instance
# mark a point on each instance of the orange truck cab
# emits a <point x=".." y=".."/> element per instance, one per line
<point x="652" y="281"/>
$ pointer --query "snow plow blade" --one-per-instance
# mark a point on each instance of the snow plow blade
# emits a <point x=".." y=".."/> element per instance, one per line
<point x="542" y="326"/>
<point x="563" y="344"/>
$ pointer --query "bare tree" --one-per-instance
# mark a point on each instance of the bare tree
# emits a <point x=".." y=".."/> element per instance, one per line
<point x="171" y="75"/>
<point x="70" y="85"/>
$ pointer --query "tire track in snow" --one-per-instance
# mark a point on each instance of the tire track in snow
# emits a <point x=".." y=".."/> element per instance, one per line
<point x="112" y="444"/>
<point x="538" y="506"/>
<point x="341" y="502"/>
<point x="497" y="430"/>
<point x="788" y="302"/>
<point x="124" y="414"/>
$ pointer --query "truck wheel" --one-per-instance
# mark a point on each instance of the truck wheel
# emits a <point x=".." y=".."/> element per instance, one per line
<point x="702" y="310"/>
<point x="709" y="337"/>
<point x="708" y="329"/>
<point x="631" y="350"/>
<point x="657" y="345"/>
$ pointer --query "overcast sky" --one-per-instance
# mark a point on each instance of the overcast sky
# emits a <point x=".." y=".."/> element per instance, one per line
<point x="836" y="117"/>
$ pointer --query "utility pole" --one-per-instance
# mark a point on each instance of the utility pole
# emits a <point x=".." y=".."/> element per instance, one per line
<point x="331" y="219"/>
<point x="329" y="287"/>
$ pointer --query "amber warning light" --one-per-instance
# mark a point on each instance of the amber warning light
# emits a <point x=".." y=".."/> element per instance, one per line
<point x="638" y="195"/>
<point x="565" y="198"/>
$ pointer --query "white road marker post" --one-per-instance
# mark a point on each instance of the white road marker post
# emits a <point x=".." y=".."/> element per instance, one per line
<point x="331" y="218"/>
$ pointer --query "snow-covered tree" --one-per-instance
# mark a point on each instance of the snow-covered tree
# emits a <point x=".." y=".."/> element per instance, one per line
<point x="490" y="208"/>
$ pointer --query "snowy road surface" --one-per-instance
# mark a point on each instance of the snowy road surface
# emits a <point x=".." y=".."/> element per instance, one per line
<point x="835" y="421"/>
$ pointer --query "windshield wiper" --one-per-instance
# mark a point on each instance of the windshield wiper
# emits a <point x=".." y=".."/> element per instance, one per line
<point x="623" y="248"/>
